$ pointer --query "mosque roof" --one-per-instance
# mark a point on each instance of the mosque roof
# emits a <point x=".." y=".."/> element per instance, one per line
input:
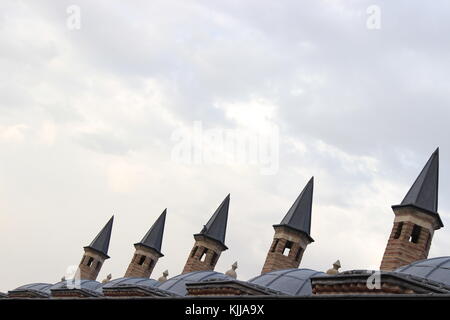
<point x="295" y="282"/>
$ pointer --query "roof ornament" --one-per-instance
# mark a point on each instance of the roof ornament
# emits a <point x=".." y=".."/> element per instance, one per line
<point x="153" y="238"/>
<point x="63" y="278"/>
<point x="232" y="272"/>
<point x="101" y="241"/>
<point x="335" y="269"/>
<point x="424" y="192"/>
<point x="163" y="278"/>
<point x="108" y="278"/>
<point x="216" y="226"/>
<point x="299" y="215"/>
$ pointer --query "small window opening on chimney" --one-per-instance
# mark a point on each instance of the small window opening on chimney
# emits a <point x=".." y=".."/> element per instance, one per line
<point x="214" y="258"/>
<point x="299" y="254"/>
<point x="194" y="251"/>
<point x="203" y="256"/>
<point x="141" y="260"/>
<point x="287" y="248"/>
<point x="415" y="234"/>
<point x="398" y="232"/>
<point x="274" y="245"/>
<point x="427" y="245"/>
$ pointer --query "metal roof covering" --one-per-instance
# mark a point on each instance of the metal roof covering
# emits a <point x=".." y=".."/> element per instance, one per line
<point x="153" y="238"/>
<point x="101" y="241"/>
<point x="434" y="269"/>
<point x="217" y="224"/>
<point x="354" y="277"/>
<point x="177" y="285"/>
<point x="295" y="282"/>
<point x="424" y="191"/>
<point x="299" y="215"/>
<point x="125" y="282"/>
<point x="88" y="285"/>
<point x="43" y="288"/>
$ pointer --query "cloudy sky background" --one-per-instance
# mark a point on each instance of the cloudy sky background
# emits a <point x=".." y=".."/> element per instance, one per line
<point x="87" y="119"/>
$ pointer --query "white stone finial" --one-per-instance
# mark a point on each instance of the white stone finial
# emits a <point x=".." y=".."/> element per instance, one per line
<point x="108" y="278"/>
<point x="163" y="278"/>
<point x="335" y="269"/>
<point x="232" y="272"/>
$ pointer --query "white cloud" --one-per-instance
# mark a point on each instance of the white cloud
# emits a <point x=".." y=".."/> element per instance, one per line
<point x="123" y="176"/>
<point x="13" y="133"/>
<point x="48" y="133"/>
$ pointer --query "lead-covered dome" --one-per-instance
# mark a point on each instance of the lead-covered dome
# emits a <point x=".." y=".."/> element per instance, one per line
<point x="91" y="286"/>
<point x="294" y="282"/>
<point x="434" y="269"/>
<point x="41" y="289"/>
<point x="177" y="284"/>
<point x="131" y="282"/>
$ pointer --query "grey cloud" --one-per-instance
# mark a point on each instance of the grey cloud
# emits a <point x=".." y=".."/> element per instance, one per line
<point x="103" y="142"/>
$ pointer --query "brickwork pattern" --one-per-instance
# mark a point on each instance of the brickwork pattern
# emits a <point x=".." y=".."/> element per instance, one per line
<point x="203" y="256"/>
<point x="142" y="263"/>
<point x="401" y="251"/>
<point x="276" y="260"/>
<point x="90" y="265"/>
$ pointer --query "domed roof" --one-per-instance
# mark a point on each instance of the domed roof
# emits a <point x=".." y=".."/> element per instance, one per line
<point x="125" y="282"/>
<point x="177" y="285"/>
<point x="89" y="285"/>
<point x="42" y="288"/>
<point x="295" y="282"/>
<point x="434" y="269"/>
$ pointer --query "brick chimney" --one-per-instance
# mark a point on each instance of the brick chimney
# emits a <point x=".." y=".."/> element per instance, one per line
<point x="210" y="242"/>
<point x="96" y="253"/>
<point x="148" y="251"/>
<point x="292" y="235"/>
<point x="415" y="221"/>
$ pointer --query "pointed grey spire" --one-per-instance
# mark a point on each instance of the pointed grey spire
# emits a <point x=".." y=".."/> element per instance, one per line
<point x="101" y="241"/>
<point x="424" y="192"/>
<point x="217" y="224"/>
<point x="153" y="238"/>
<point x="299" y="215"/>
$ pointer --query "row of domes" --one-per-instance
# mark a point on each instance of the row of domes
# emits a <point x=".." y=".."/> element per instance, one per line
<point x="295" y="282"/>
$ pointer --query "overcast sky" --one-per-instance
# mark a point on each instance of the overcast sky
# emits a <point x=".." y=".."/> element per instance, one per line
<point x="90" y="119"/>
